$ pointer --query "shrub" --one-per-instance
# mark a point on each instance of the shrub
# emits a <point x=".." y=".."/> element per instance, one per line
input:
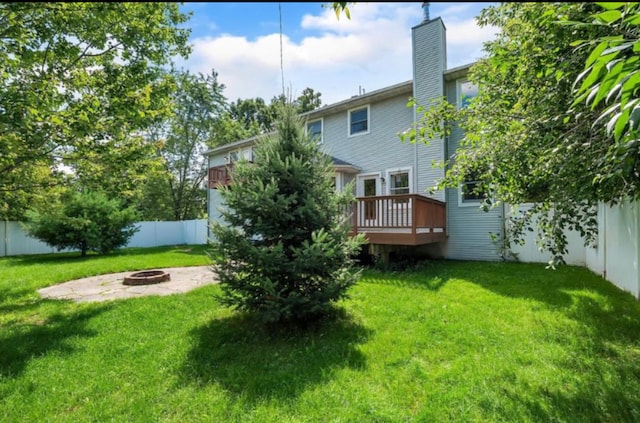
<point x="87" y="221"/>
<point x="284" y="253"/>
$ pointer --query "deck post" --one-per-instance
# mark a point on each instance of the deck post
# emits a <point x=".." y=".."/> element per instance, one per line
<point x="414" y="214"/>
<point x="381" y="251"/>
<point x="355" y="217"/>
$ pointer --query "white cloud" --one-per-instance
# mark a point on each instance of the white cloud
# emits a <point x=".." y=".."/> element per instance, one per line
<point x="455" y="10"/>
<point x="465" y="40"/>
<point x="371" y="50"/>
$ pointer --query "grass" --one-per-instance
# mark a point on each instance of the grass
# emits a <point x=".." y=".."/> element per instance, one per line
<point x="448" y="341"/>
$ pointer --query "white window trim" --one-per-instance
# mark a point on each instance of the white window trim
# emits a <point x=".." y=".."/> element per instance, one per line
<point x="321" y="128"/>
<point x="387" y="184"/>
<point x="469" y="203"/>
<point x="242" y="154"/>
<point x="349" y="134"/>
<point x="360" y="183"/>
<point x="339" y="181"/>
<point x="393" y="171"/>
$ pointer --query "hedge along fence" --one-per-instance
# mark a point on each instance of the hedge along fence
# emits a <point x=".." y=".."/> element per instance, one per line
<point x="15" y="241"/>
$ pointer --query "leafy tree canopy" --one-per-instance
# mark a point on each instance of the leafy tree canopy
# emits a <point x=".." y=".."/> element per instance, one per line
<point x="612" y="78"/>
<point x="181" y="141"/>
<point x="84" y="221"/>
<point x="78" y="84"/>
<point x="257" y="117"/>
<point x="525" y="137"/>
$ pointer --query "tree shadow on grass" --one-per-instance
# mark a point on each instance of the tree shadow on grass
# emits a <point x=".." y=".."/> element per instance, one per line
<point x="16" y="299"/>
<point x="605" y="339"/>
<point x="609" y="312"/>
<point x="256" y="361"/>
<point x="598" y="398"/>
<point x="511" y="279"/>
<point x="24" y="340"/>
<point x="423" y="275"/>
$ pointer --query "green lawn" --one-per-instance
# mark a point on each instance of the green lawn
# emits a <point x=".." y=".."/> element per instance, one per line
<point x="452" y="341"/>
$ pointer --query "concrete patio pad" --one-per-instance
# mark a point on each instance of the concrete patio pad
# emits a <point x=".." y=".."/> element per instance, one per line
<point x="110" y="286"/>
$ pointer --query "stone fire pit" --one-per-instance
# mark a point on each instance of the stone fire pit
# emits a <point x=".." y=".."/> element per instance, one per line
<point x="147" y="277"/>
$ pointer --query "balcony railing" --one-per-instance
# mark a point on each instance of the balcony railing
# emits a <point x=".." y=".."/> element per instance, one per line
<point x="409" y="219"/>
<point x="220" y="175"/>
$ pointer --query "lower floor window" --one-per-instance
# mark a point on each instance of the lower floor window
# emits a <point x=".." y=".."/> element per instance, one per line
<point x="399" y="183"/>
<point x="471" y="189"/>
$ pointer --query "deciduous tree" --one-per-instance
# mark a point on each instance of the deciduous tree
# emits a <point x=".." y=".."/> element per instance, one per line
<point x="525" y="139"/>
<point x="612" y="79"/>
<point x="258" y="117"/>
<point x="182" y="140"/>
<point x="78" y="84"/>
<point x="85" y="221"/>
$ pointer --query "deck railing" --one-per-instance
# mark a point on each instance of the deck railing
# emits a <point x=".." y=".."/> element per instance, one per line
<point x="410" y="214"/>
<point x="220" y="175"/>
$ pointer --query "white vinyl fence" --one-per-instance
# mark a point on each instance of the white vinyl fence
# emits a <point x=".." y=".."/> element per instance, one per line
<point x="530" y="252"/>
<point x="616" y="255"/>
<point x="14" y="240"/>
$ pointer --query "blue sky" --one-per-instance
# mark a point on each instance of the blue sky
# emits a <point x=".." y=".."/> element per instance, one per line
<point x="241" y="41"/>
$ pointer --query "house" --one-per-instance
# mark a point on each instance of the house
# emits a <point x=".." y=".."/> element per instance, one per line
<point x="394" y="207"/>
<point x="392" y="179"/>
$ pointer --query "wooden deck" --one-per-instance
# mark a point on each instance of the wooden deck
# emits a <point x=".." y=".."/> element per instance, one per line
<point x="410" y="219"/>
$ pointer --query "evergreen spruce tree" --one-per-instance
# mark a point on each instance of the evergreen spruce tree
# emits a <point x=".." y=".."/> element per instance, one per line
<point x="283" y="252"/>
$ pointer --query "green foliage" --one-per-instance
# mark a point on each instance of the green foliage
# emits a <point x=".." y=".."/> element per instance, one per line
<point x="227" y="130"/>
<point x="284" y="252"/>
<point x="154" y="201"/>
<point x="78" y="83"/>
<point x="307" y="101"/>
<point x="257" y="117"/>
<point x="525" y="139"/>
<point x="254" y="114"/>
<point x="179" y="192"/>
<point x="612" y="78"/>
<point x="87" y="221"/>
<point x="340" y="7"/>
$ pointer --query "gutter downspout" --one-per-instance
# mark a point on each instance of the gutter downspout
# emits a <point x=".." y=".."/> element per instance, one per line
<point x="414" y="109"/>
<point x="446" y="200"/>
<point x="415" y="152"/>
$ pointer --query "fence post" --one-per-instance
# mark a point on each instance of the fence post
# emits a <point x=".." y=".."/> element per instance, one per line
<point x="5" y="241"/>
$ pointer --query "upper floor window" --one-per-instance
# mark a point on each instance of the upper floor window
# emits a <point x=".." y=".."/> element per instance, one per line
<point x="466" y="92"/>
<point x="241" y="154"/>
<point x="359" y="121"/>
<point x="314" y="129"/>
